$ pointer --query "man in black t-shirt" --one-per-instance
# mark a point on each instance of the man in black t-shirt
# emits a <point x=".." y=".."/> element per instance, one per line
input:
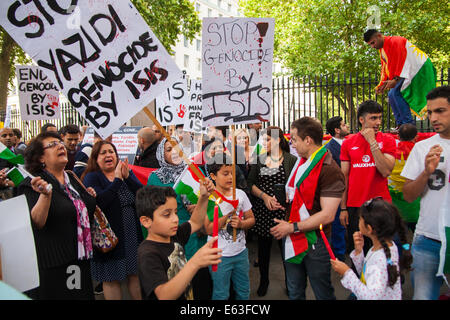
<point x="164" y="273"/>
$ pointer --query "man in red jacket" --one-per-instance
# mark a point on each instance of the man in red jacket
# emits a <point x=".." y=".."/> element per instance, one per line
<point x="392" y="56"/>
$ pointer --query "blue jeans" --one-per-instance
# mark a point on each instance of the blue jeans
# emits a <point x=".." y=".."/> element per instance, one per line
<point x="315" y="265"/>
<point x="425" y="265"/>
<point x="400" y="107"/>
<point x="236" y="268"/>
<point x="338" y="232"/>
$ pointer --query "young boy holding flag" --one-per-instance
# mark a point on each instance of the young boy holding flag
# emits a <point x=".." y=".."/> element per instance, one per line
<point x="315" y="188"/>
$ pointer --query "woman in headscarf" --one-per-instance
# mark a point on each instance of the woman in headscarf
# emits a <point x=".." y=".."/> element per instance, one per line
<point x="172" y="166"/>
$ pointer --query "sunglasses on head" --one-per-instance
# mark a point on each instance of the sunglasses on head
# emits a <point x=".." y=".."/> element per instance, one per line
<point x="369" y="203"/>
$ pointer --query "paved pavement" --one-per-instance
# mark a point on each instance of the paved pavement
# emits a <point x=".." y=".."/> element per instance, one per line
<point x="277" y="290"/>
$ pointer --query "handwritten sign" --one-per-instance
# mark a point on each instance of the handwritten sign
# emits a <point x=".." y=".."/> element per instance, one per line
<point x="237" y="70"/>
<point x="171" y="105"/>
<point x="101" y="54"/>
<point x="193" y="120"/>
<point x="38" y="96"/>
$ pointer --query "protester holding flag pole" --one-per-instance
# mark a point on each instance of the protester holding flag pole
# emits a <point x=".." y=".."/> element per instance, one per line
<point x="171" y="168"/>
<point x="315" y="188"/>
<point x="60" y="217"/>
<point x="427" y="175"/>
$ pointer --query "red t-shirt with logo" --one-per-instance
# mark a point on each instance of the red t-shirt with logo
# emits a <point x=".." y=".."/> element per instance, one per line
<point x="365" y="181"/>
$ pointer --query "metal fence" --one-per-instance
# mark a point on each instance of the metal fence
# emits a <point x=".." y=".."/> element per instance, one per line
<point x="335" y="95"/>
<point x="321" y="97"/>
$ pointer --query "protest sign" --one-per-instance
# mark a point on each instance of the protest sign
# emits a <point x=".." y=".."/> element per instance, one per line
<point x="193" y="120"/>
<point x="125" y="139"/>
<point x="101" y="54"/>
<point x="38" y="96"/>
<point x="237" y="70"/>
<point x="171" y="105"/>
<point x="18" y="252"/>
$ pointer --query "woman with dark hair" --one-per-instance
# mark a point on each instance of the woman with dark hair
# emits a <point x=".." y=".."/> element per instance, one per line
<point x="60" y="218"/>
<point x="272" y="167"/>
<point x="116" y="188"/>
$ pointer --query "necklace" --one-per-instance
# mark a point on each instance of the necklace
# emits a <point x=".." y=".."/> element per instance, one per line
<point x="276" y="160"/>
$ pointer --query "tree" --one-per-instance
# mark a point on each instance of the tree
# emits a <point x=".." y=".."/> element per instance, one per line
<point x="325" y="37"/>
<point x="168" y="19"/>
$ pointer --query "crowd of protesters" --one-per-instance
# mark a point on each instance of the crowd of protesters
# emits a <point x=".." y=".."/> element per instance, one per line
<point x="365" y="189"/>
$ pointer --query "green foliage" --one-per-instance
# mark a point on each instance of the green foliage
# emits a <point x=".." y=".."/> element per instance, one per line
<point x="316" y="37"/>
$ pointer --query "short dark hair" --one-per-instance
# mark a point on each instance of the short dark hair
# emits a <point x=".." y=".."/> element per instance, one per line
<point x="69" y="129"/>
<point x="35" y="151"/>
<point x="439" y="92"/>
<point x="46" y="126"/>
<point x="223" y="129"/>
<point x="309" y="127"/>
<point x="407" y="132"/>
<point x="368" y="106"/>
<point x="220" y="159"/>
<point x="17" y="133"/>
<point x="150" y="198"/>
<point x="369" y="34"/>
<point x="333" y="124"/>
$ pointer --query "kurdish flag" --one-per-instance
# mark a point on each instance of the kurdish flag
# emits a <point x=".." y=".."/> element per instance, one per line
<point x="444" y="231"/>
<point x="9" y="156"/>
<point x="399" y="57"/>
<point x="189" y="184"/>
<point x="301" y="188"/>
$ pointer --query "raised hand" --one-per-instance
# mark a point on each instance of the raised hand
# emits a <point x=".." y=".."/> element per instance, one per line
<point x="41" y="186"/>
<point x="432" y="158"/>
<point x="358" y="240"/>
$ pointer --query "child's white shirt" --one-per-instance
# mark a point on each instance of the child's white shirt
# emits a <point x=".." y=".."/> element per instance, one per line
<point x="375" y="275"/>
<point x="225" y="242"/>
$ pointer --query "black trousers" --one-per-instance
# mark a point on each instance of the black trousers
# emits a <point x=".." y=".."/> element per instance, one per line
<point x="264" y="250"/>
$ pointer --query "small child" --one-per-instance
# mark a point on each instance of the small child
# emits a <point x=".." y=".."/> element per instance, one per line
<point x="379" y="272"/>
<point x="163" y="271"/>
<point x="235" y="263"/>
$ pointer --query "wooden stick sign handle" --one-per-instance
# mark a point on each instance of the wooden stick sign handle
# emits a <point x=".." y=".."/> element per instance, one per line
<point x="233" y="157"/>
<point x="175" y="145"/>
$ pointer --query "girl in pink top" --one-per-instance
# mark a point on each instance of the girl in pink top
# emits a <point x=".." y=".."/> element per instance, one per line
<point x="379" y="269"/>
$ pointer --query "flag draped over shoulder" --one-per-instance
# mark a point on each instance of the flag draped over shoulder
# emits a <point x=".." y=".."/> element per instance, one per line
<point x="9" y="156"/>
<point x="301" y="188"/>
<point x="188" y="184"/>
<point x="401" y="58"/>
<point x="444" y="232"/>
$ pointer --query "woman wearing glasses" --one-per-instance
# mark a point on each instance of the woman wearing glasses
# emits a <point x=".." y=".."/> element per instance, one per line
<point x="60" y="217"/>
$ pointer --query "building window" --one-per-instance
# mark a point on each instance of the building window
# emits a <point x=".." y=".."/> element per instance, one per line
<point x="197" y="7"/>
<point x="209" y="13"/>
<point x="199" y="64"/>
<point x="186" y="61"/>
<point x="219" y="3"/>
<point x="186" y="42"/>
<point x="199" y="45"/>
<point x="229" y="7"/>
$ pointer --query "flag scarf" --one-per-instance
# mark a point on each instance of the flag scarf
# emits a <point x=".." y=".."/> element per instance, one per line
<point x="9" y="156"/>
<point x="444" y="232"/>
<point x="189" y="184"/>
<point x="301" y="188"/>
<point x="401" y="58"/>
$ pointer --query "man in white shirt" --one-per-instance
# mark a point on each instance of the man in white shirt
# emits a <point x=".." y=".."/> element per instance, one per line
<point x="426" y="173"/>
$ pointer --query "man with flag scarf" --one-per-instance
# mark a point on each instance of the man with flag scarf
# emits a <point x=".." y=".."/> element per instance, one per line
<point x="315" y="187"/>
<point x="406" y="71"/>
<point x="427" y="175"/>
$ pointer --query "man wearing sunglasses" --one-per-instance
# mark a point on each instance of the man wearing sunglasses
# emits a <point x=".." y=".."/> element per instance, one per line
<point x="427" y="175"/>
<point x="367" y="159"/>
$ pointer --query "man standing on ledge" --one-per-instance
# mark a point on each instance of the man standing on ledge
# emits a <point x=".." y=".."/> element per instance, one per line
<point x="406" y="71"/>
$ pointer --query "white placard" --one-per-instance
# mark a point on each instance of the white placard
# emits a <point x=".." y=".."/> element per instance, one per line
<point x="18" y="252"/>
<point x="193" y="120"/>
<point x="237" y="70"/>
<point x="101" y="54"/>
<point x="171" y="105"/>
<point x="38" y="96"/>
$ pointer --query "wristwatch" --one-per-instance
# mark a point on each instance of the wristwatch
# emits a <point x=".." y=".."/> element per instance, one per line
<point x="296" y="230"/>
